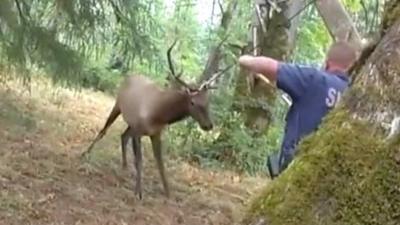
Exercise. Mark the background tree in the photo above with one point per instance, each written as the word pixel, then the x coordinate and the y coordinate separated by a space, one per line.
pixel 273 26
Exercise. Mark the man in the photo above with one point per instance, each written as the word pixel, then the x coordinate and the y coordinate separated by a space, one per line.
pixel 314 92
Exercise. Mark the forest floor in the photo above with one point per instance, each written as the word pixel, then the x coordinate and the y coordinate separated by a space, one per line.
pixel 43 180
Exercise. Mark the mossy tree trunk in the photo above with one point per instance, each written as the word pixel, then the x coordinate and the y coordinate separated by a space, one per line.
pixel 346 172
pixel 375 95
pixel 255 104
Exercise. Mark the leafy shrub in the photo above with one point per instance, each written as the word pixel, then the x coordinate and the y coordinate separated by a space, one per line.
pixel 101 79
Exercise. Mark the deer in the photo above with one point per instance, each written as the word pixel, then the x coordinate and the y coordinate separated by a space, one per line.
pixel 148 109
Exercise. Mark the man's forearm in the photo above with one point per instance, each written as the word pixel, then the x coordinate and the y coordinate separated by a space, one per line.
pixel 260 64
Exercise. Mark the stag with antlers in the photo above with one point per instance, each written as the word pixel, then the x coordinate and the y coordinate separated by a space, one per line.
pixel 148 109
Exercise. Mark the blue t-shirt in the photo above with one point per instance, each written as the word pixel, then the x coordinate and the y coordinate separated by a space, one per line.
pixel 313 92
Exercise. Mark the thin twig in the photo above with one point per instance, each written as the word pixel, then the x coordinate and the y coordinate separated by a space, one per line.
pixel 212 11
pixel 302 9
pixel 221 7
pixel 260 19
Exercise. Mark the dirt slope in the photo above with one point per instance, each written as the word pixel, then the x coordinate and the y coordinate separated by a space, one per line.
pixel 42 180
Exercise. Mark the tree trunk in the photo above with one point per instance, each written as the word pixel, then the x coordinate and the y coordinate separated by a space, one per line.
pixel 277 42
pixel 294 14
pixel 215 56
pixel 338 22
pixel 347 172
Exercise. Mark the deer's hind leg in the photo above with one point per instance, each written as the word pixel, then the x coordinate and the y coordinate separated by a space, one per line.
pixel 138 161
pixel 124 144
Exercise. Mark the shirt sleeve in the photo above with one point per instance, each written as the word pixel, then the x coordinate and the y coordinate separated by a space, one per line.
pixel 294 79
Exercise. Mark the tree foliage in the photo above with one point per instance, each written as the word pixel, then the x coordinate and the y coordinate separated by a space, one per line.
pixel 60 36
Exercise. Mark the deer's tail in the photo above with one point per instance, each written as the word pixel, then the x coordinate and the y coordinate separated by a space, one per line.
pixel 115 112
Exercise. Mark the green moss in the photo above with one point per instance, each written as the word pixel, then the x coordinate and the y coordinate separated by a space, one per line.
pixel 344 174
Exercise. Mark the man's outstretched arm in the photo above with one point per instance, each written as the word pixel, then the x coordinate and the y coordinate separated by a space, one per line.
pixel 266 66
pixel 290 78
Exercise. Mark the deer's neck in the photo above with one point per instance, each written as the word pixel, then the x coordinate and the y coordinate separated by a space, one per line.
pixel 173 107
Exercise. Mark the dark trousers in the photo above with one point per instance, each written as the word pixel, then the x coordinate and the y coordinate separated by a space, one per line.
pixel 279 161
pixel 286 157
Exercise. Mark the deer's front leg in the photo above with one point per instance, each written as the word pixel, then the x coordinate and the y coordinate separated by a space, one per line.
pixel 157 151
pixel 137 151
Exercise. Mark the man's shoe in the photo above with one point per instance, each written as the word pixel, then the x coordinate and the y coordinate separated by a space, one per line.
pixel 273 165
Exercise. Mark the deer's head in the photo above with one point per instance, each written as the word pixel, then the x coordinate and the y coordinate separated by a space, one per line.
pixel 198 100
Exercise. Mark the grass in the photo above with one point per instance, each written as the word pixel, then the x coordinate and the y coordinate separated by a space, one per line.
pixel 43 181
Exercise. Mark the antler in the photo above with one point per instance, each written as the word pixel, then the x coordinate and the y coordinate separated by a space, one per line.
pixel 207 84
pixel 171 67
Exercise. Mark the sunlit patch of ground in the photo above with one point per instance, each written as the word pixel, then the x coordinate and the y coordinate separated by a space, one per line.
pixel 43 181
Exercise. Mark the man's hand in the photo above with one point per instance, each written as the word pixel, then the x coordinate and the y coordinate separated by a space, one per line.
pixel 268 67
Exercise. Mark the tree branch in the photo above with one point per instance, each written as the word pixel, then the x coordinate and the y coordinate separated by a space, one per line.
pixel 212 11
pixel 260 19
pixel 117 11
pixel 21 15
pixel 365 12
pixel 376 15
pixel 221 7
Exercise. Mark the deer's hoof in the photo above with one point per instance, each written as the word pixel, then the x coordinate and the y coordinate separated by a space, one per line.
pixel 138 194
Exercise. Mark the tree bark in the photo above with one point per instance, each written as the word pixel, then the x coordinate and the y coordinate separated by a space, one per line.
pixel 338 22
pixel 295 14
pixel 374 96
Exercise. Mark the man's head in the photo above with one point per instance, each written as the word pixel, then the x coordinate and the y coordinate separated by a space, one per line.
pixel 340 57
